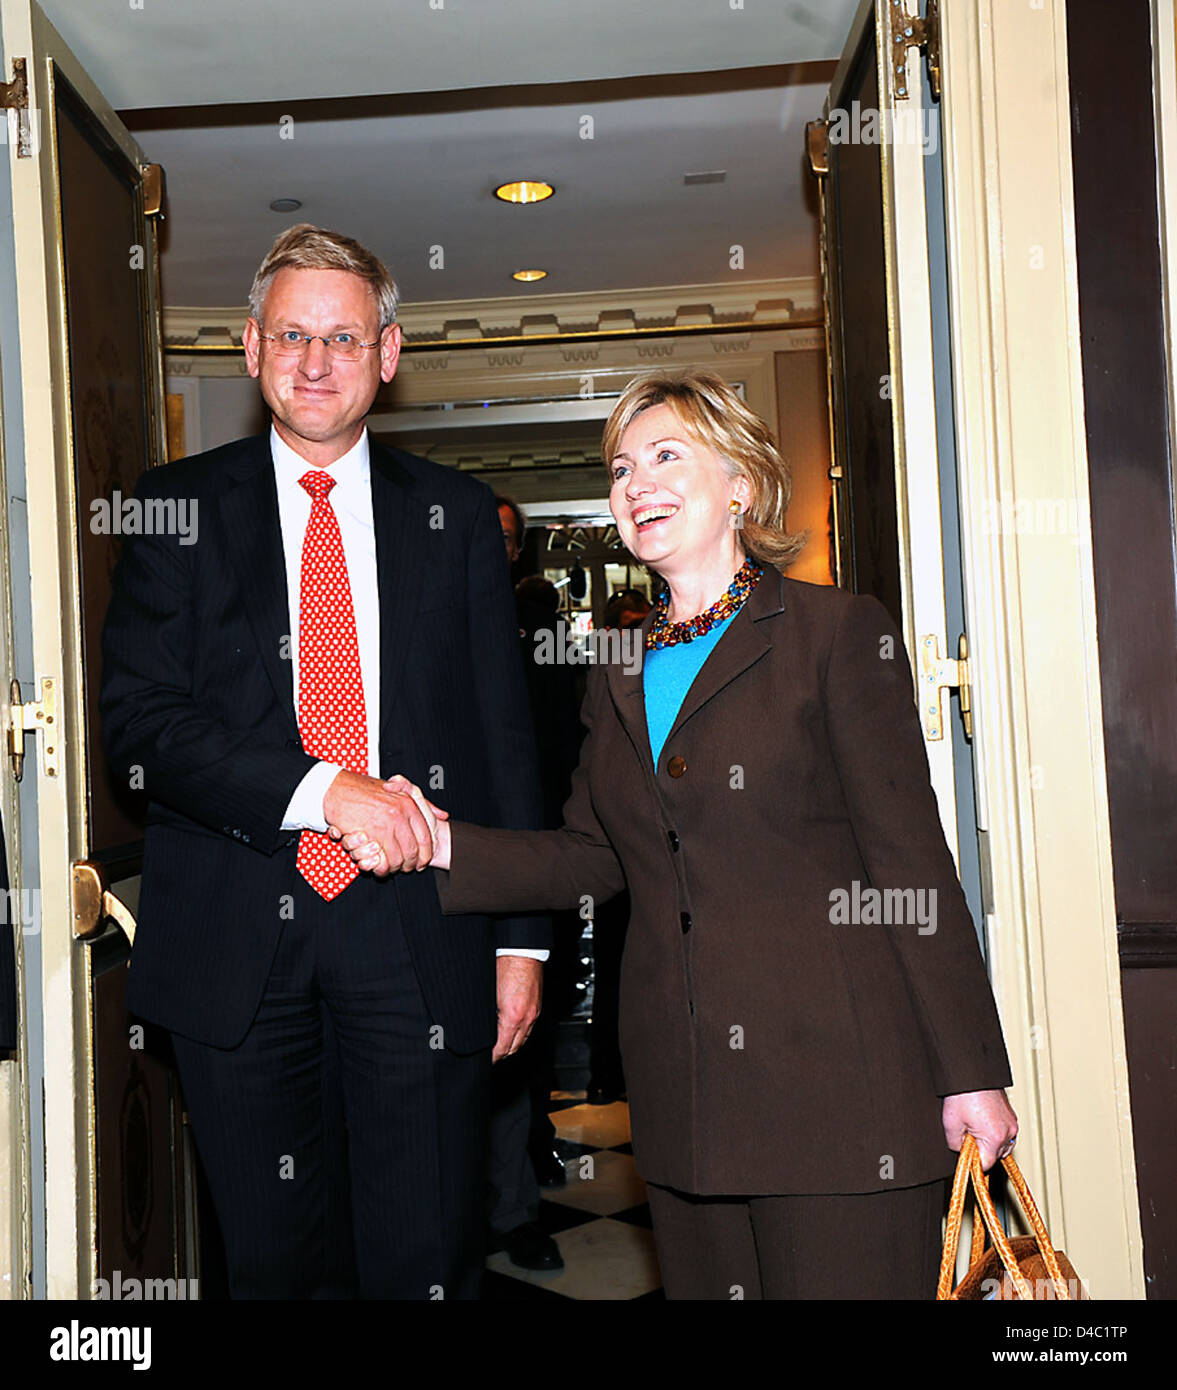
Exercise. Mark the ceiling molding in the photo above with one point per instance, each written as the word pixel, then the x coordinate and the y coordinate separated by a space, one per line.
pixel 448 322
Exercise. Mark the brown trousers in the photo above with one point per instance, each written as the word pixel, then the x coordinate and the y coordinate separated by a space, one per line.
pixel 874 1245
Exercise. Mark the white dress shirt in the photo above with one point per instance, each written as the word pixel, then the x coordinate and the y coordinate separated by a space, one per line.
pixel 351 499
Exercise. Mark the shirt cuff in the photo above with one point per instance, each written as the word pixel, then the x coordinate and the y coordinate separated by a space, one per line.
pixel 529 952
pixel 305 809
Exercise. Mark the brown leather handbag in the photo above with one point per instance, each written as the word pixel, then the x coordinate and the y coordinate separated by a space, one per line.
pixel 1026 1267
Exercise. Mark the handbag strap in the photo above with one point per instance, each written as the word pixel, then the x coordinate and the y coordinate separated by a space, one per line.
pixel 969 1166
pixel 960 1190
pixel 993 1221
pixel 977 1249
pixel 1037 1225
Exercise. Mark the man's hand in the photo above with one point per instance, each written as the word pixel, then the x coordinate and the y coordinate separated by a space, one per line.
pixel 520 986
pixel 394 816
pixel 368 852
pixel 987 1116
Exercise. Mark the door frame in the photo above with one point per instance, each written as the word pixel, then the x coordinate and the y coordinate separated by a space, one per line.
pixel 1018 383
pixel 911 368
pixel 16 1118
pixel 67 1076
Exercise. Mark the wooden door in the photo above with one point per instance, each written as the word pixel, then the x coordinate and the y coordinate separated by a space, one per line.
pixel 108 1207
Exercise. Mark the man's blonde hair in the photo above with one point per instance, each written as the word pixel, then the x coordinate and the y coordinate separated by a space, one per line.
pixel 712 412
pixel 306 247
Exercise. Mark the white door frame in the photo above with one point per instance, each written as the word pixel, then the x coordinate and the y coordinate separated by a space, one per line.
pixel 68 1073
pixel 1030 604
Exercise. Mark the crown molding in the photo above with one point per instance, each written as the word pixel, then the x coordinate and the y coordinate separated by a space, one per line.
pixel 449 322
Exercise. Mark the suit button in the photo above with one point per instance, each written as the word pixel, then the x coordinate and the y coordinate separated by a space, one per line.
pixel 673 838
pixel 676 767
pixel 685 919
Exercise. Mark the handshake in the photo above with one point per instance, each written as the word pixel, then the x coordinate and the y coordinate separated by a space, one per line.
pixel 386 827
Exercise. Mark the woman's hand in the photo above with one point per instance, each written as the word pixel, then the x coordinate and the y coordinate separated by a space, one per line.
pixel 371 858
pixel 370 855
pixel 987 1116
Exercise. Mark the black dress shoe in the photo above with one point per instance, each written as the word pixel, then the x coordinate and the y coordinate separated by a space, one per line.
pixel 549 1169
pixel 529 1247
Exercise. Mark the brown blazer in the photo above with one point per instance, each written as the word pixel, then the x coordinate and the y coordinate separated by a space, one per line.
pixel 767 1047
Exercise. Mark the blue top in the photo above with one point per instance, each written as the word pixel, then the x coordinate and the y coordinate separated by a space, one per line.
pixel 667 674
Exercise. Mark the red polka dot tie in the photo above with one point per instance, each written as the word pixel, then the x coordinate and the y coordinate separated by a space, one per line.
pixel 331 713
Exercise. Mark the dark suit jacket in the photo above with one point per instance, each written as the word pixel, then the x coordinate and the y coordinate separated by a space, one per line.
pixel 197 692
pixel 768 1048
pixel 555 700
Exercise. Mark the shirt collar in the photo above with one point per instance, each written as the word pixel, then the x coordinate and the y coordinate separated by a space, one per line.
pixel 348 470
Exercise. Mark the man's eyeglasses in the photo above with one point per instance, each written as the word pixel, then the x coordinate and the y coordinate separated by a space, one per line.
pixel 343 347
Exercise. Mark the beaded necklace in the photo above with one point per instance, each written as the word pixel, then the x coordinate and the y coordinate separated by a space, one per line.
pixel 664 633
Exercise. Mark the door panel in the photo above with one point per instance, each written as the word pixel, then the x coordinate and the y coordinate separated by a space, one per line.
pixel 91 396
pixel 884 367
pixel 111 379
pixel 856 289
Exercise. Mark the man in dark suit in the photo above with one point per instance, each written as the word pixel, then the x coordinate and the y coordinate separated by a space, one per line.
pixel 344 615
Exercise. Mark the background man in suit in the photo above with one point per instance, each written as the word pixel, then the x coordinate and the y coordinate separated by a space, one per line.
pixel 344 616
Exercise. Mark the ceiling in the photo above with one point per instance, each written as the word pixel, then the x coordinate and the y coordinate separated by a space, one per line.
pixel 415 182
pixel 398 137
pixel 181 53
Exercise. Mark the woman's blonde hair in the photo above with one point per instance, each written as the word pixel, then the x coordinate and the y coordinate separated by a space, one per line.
pixel 712 412
pixel 307 247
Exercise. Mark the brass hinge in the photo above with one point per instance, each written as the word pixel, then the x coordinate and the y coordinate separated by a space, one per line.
pixel 817 146
pixel 938 674
pixel 910 31
pixel 94 903
pixel 14 96
pixel 152 190
pixel 39 717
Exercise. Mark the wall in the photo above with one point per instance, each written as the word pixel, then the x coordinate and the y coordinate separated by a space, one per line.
pixel 803 433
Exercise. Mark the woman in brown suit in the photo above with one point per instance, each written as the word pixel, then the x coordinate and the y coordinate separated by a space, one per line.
pixel 806 1026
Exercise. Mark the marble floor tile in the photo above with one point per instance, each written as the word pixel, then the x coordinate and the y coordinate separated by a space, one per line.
pixel 601 1182
pixel 602 1126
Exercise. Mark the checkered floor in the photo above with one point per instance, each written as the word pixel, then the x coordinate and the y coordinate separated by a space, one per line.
pixel 599 1219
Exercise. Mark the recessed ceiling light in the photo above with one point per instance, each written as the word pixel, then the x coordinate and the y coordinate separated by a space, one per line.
pixel 524 191
pixel 529 275
pixel 285 205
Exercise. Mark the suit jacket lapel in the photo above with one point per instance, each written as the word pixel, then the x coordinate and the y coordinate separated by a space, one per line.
pixel 629 698
pixel 249 512
pixel 744 642
pixel 401 525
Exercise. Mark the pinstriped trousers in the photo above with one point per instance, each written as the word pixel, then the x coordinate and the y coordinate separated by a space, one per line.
pixel 415 1117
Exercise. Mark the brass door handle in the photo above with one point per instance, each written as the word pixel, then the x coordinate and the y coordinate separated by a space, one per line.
pixel 94 904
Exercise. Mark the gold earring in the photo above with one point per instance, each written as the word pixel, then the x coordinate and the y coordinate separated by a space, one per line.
pixel 734 507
